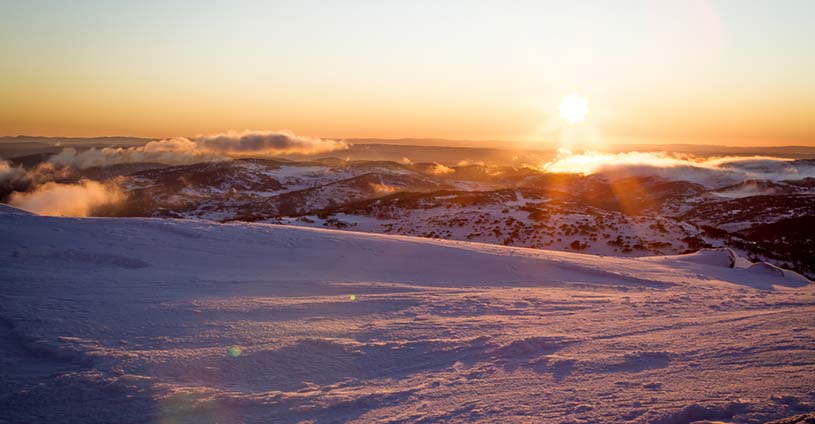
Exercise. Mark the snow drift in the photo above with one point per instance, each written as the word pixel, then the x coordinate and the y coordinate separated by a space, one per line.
pixel 134 320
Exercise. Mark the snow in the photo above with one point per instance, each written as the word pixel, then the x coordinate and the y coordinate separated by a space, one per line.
pixel 146 320
pixel 6 209
pixel 758 274
pixel 510 222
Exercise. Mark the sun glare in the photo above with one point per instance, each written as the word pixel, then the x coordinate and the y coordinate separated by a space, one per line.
pixel 574 108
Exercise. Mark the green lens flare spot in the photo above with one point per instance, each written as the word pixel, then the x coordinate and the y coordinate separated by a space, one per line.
pixel 234 351
pixel 353 297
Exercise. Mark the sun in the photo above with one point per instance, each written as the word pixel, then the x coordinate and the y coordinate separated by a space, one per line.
pixel 574 108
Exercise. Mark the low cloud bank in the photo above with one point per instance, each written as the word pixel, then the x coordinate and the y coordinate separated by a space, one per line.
pixel 711 172
pixel 439 169
pixel 10 175
pixel 58 199
pixel 16 178
pixel 467 162
pixel 43 189
pixel 383 188
pixel 204 148
pixel 37 190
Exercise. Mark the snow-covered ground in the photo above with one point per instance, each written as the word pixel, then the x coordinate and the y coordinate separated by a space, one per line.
pixel 145 320
pixel 597 232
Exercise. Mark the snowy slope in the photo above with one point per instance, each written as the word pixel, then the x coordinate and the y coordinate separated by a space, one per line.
pixel 767 216
pixel 246 188
pixel 510 218
pixel 143 320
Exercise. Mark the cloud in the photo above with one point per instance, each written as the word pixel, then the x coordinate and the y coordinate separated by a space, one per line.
pixel 382 188
pixel 202 148
pixel 170 152
pixel 267 142
pixel 39 189
pixel 9 172
pixel 711 172
pixel 439 169
pixel 467 162
pixel 17 178
pixel 58 199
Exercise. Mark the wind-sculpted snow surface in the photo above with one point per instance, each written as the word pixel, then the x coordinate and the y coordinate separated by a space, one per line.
pixel 143 320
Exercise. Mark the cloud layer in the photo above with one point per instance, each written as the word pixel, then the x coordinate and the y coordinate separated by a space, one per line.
pixel 439 169
pixel 57 199
pixel 204 148
pixel 10 174
pixel 37 189
pixel 711 172
pixel 17 178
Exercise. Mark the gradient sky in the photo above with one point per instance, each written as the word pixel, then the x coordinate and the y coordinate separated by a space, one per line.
pixel 653 71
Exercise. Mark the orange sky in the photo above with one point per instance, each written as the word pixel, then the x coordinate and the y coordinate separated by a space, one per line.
pixel 692 71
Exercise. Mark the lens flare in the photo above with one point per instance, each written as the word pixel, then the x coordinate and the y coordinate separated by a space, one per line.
pixel 234 351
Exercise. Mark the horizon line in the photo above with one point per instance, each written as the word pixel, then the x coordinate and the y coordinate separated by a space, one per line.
pixel 525 145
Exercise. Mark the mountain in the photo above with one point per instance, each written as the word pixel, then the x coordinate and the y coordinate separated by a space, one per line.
pixel 162 320
pixel 514 217
pixel 252 189
pixel 619 213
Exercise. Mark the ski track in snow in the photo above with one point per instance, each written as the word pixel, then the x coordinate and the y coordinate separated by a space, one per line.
pixel 131 320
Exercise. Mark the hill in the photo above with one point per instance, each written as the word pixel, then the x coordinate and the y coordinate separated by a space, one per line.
pixel 141 320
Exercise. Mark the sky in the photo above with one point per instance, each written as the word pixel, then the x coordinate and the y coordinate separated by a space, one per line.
pixel 696 71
